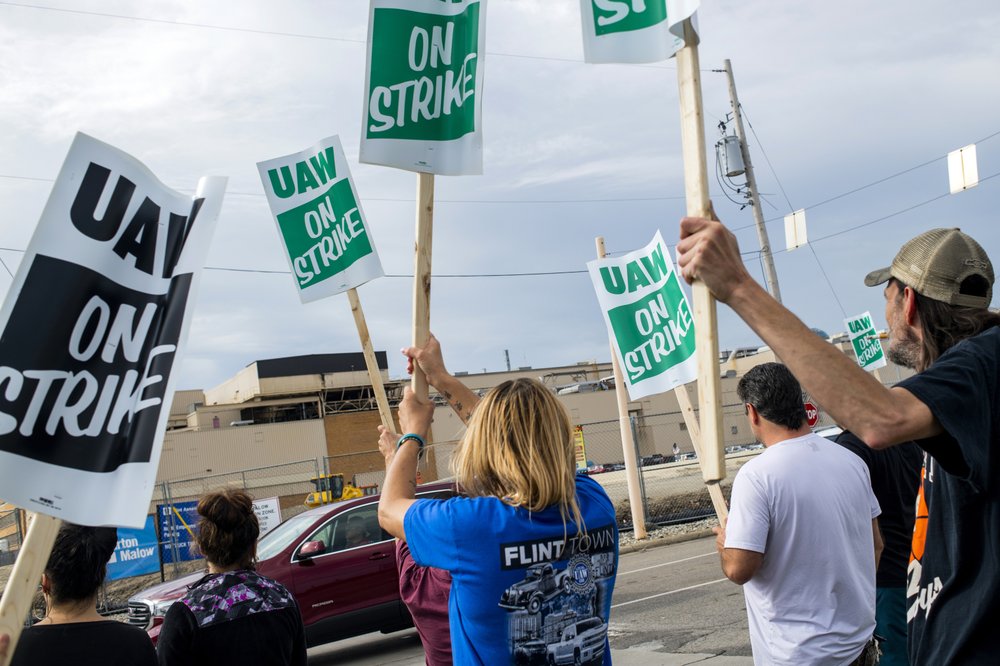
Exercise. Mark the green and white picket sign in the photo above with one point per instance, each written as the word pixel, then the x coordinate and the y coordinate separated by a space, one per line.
pixel 423 86
pixel 313 200
pixel 864 339
pixel 648 318
pixel 327 239
pixel 633 31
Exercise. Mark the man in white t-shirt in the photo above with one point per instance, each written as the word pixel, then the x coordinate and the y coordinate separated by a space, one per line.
pixel 801 536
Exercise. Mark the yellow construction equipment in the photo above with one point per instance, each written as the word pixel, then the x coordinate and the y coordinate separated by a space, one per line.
pixel 331 488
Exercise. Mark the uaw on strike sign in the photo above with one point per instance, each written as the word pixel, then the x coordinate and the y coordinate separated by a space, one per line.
pixel 319 216
pixel 648 318
pixel 91 330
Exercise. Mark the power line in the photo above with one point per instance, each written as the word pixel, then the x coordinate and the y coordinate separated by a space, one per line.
pixel 39 180
pixel 186 24
pixel 827 278
pixel 863 187
pixel 673 197
pixel 599 200
pixel 774 173
pixel 890 215
pixel 278 33
pixel 746 255
pixel 406 275
pixel 767 159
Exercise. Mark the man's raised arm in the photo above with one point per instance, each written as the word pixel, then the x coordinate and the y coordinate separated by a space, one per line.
pixel 881 417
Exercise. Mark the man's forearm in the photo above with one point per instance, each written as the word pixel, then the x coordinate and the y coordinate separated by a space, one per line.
pixel 856 400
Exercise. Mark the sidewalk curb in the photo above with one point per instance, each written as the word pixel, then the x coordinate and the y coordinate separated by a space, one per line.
pixel 642 546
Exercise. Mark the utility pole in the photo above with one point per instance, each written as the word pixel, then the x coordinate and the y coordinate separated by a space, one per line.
pixel 770 275
pixel 506 355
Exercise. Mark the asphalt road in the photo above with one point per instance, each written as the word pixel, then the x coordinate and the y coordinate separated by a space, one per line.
pixel 675 599
pixel 671 599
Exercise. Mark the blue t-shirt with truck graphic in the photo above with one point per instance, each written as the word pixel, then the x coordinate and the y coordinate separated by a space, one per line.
pixel 526 588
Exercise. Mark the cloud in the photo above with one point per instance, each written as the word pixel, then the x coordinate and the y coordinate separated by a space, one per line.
pixel 838 94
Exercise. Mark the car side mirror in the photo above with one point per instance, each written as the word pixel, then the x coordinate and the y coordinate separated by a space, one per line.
pixel 311 548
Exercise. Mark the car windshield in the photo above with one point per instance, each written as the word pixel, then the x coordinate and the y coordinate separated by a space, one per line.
pixel 278 539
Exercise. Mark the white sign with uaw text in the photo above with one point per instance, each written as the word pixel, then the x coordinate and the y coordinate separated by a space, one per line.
pixel 864 339
pixel 92 329
pixel 648 317
pixel 313 200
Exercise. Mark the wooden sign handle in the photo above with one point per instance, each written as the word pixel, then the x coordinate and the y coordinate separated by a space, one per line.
pixel 422 274
pixel 374 373
pixel 712 460
pixel 24 578
pixel 628 443
pixel 694 430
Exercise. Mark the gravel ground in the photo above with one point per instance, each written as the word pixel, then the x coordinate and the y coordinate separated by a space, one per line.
pixel 698 526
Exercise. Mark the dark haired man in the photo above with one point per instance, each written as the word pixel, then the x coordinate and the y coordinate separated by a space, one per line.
pixel 938 292
pixel 801 536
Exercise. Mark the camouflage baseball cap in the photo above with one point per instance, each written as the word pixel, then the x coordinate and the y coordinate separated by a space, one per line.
pixel 935 263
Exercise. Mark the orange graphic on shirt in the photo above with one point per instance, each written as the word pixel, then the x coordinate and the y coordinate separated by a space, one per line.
pixel 920 526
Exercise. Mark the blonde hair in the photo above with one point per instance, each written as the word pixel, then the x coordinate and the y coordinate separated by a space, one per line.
pixel 519 447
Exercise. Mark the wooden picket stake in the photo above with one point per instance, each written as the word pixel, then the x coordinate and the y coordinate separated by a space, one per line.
pixel 422 274
pixel 374 374
pixel 24 578
pixel 691 420
pixel 712 459
pixel 628 443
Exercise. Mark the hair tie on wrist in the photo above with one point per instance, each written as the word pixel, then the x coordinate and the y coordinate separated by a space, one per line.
pixel 416 438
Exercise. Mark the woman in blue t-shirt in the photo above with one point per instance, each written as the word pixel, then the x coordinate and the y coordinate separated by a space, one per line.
pixel 533 547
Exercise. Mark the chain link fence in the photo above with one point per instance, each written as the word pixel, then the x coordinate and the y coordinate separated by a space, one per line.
pixel 11 534
pixel 670 478
pixel 290 483
pixel 366 469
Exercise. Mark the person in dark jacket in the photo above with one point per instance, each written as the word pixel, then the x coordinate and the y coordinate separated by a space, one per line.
pixel 895 476
pixel 73 632
pixel 232 615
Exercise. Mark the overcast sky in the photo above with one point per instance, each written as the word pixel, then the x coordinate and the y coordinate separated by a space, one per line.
pixel 840 95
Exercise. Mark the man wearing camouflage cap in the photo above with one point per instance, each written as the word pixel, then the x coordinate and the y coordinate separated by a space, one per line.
pixel 938 291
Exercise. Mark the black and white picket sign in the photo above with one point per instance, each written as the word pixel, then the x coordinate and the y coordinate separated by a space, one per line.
pixel 92 328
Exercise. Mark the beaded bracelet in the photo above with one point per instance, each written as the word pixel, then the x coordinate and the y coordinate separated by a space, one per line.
pixel 416 438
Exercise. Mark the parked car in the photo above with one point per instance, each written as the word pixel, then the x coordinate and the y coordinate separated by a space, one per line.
pixel 655 459
pixel 829 432
pixel 342 590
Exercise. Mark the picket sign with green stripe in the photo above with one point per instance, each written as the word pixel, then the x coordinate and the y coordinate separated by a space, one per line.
pixel 648 318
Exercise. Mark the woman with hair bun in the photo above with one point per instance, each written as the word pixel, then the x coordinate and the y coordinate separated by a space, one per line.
pixel 232 615
pixel 533 549
pixel 73 632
